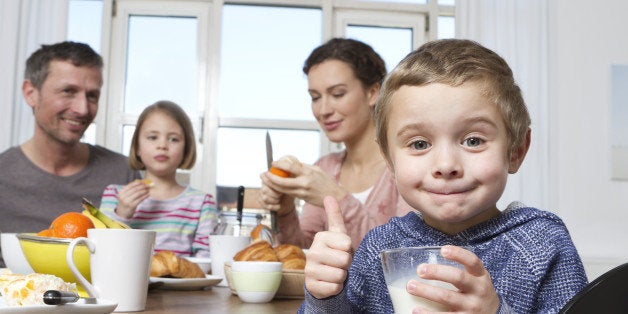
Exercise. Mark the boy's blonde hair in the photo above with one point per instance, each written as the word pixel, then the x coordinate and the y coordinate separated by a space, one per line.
pixel 175 112
pixel 454 62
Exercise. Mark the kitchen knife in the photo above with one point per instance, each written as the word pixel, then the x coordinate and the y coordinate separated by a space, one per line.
pixel 269 151
pixel 269 162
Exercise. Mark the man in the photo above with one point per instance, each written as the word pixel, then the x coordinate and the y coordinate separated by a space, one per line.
pixel 51 172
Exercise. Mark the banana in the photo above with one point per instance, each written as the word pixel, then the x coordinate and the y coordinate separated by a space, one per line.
pixel 108 222
pixel 97 223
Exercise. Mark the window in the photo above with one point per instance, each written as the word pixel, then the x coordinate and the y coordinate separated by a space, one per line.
pixel 85 25
pixel 235 67
pixel 160 67
pixel 392 44
pixel 261 82
pixel 257 46
pixel 85 22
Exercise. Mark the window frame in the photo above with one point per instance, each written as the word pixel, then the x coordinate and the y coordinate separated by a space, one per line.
pixel 336 14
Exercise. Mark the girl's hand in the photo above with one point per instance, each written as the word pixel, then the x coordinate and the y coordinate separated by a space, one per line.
pixel 476 291
pixel 130 196
pixel 329 257
pixel 306 182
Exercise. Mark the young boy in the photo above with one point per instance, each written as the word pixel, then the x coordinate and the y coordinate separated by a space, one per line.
pixel 452 124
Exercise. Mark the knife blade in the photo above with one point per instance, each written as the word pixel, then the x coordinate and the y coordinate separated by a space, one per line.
pixel 269 151
pixel 269 162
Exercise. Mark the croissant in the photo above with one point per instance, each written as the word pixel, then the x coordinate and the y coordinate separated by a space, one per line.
pixel 287 251
pixel 293 263
pixel 259 250
pixel 166 263
pixel 291 256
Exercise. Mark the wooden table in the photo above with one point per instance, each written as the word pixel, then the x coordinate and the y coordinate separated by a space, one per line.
pixel 214 300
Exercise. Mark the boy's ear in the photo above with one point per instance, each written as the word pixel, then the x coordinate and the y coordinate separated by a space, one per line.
pixel 517 156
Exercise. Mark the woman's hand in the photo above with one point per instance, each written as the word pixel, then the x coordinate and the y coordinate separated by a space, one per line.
pixel 130 196
pixel 306 182
pixel 276 201
pixel 476 293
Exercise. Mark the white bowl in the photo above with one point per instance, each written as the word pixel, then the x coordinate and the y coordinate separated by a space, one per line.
pixel 256 282
pixel 13 256
pixel 204 263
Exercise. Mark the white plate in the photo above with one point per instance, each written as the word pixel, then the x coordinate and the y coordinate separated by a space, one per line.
pixel 101 307
pixel 186 283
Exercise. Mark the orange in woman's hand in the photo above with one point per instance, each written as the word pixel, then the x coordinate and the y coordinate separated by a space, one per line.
pixel 70 225
pixel 279 172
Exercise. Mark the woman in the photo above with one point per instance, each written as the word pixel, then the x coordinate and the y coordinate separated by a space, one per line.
pixel 344 78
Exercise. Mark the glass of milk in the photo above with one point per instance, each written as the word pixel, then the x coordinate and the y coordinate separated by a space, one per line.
pixel 400 265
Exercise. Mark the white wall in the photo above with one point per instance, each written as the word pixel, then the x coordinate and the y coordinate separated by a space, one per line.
pixel 586 37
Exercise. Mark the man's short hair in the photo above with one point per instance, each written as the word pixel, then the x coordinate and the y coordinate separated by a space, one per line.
pixel 38 64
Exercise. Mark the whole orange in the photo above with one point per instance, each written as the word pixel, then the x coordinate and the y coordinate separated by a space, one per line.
pixel 70 225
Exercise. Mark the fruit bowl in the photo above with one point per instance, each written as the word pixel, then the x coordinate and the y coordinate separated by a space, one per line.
pixel 47 256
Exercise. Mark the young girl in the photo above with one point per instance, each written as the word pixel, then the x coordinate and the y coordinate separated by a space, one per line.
pixel 182 216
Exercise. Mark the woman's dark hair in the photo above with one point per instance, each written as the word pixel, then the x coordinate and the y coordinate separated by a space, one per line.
pixel 367 65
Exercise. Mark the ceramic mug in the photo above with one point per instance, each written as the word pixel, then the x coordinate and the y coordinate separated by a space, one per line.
pixel 222 248
pixel 120 265
pixel 256 282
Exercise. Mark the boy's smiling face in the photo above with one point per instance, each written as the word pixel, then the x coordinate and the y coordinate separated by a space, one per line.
pixel 448 149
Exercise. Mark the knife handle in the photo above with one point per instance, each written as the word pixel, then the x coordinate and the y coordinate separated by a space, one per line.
pixel 273 221
pixel 240 203
pixel 56 297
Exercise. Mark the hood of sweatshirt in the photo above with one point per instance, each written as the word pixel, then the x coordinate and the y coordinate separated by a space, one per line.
pixel 411 229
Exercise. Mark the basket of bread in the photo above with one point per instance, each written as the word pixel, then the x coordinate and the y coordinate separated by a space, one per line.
pixel 291 257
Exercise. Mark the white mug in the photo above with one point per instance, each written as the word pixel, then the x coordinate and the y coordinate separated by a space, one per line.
pixel 222 248
pixel 120 265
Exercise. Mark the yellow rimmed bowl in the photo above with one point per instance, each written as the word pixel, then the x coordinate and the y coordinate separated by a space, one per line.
pixel 46 255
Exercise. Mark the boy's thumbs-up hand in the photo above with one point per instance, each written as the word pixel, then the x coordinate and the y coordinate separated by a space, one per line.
pixel 335 222
pixel 329 257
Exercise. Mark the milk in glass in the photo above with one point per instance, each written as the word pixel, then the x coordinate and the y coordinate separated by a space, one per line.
pixel 404 302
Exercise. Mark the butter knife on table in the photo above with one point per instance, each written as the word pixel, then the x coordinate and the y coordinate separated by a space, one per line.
pixel 56 297
pixel 269 162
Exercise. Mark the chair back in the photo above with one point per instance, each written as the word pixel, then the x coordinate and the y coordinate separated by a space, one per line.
pixel 606 294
